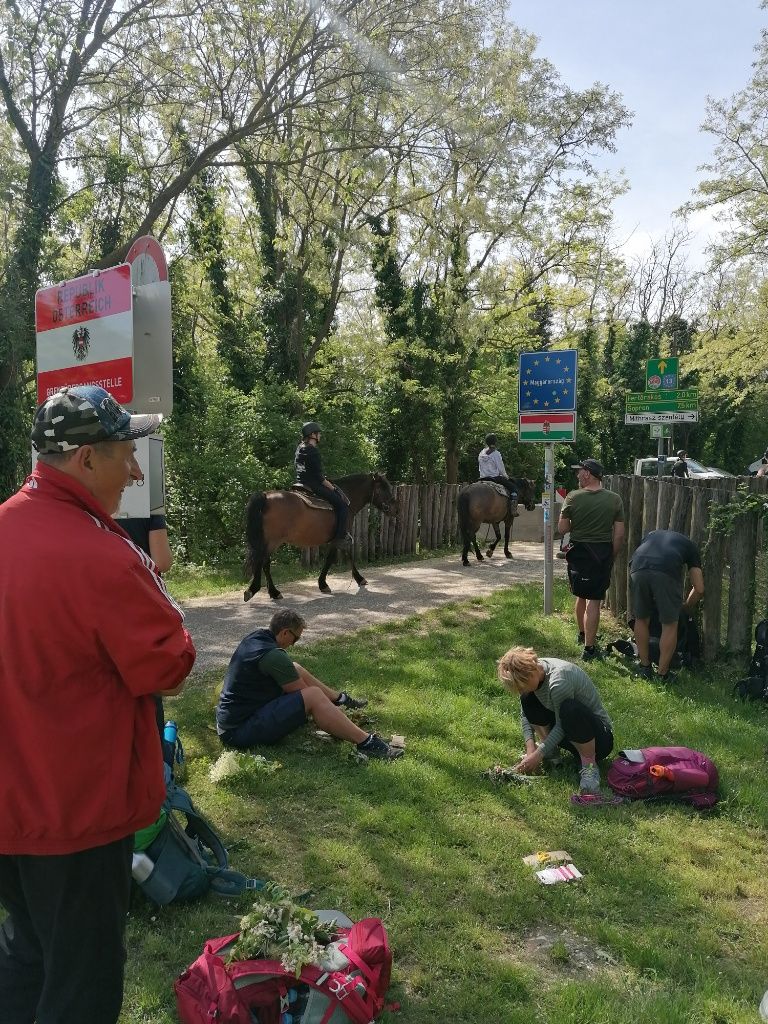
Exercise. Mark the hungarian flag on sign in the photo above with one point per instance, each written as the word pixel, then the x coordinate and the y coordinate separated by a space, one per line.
pixel 547 426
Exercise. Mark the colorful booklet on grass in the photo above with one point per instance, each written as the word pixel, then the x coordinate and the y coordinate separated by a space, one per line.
pixel 562 873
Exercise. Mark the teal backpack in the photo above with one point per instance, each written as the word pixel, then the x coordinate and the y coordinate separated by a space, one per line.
pixel 181 856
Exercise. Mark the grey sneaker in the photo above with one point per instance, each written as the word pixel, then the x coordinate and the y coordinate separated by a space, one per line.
pixel 643 671
pixel 589 779
pixel 376 747
pixel 350 703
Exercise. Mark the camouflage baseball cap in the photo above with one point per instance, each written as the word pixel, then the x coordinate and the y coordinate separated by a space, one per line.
pixel 84 415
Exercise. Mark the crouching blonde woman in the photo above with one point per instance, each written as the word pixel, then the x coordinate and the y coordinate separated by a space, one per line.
pixel 559 708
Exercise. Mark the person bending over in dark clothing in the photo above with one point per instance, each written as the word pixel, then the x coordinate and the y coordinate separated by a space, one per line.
pixel 656 582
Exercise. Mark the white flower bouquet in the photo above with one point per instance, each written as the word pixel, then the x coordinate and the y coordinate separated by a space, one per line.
pixel 276 928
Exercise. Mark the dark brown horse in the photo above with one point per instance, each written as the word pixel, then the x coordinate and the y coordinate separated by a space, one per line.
pixel 482 503
pixel 283 517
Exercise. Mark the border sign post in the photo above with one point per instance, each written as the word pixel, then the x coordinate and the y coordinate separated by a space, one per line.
pixel 85 334
pixel 112 328
pixel 152 344
pixel 547 414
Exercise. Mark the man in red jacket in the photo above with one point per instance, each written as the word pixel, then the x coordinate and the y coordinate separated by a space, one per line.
pixel 88 634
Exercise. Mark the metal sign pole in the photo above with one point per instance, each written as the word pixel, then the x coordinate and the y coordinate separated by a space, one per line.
pixel 660 457
pixel 549 512
pixel 546 400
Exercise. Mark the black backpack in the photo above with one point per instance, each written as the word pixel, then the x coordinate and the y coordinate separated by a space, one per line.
pixel 687 653
pixel 755 686
pixel 688 650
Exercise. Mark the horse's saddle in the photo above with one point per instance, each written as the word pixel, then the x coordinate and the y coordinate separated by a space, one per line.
pixel 502 490
pixel 311 499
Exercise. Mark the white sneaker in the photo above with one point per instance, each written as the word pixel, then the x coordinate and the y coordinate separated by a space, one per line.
pixel 589 779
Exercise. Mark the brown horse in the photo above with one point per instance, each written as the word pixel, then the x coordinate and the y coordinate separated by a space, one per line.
pixel 283 517
pixel 482 503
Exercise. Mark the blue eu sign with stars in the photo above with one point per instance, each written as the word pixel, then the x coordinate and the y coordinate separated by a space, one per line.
pixel 548 381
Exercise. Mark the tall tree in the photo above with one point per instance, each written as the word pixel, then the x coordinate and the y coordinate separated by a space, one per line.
pixel 735 187
pixel 510 198
pixel 88 69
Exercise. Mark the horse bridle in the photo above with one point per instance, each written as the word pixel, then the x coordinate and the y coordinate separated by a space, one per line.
pixel 532 506
pixel 386 507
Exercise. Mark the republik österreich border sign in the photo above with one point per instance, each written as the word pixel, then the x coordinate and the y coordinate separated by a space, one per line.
pixel 85 334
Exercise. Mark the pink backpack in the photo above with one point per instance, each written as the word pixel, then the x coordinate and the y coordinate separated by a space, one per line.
pixel 673 773
pixel 212 990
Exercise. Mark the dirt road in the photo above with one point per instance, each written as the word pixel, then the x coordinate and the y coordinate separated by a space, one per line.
pixel 217 624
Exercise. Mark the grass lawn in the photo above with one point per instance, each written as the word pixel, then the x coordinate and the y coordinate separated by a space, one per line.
pixel 668 924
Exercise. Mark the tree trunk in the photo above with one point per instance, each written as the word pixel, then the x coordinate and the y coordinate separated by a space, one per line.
pixel 451 464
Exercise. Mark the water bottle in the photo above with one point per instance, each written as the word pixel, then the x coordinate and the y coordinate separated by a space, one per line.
pixel 141 867
pixel 170 732
pixel 302 998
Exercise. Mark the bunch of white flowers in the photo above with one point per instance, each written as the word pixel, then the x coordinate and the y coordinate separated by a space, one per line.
pixel 238 766
pixel 278 929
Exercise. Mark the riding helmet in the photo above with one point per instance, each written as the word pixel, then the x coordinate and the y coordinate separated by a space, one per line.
pixel 312 427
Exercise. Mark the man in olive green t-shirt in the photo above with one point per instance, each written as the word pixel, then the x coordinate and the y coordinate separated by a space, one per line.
pixel 595 519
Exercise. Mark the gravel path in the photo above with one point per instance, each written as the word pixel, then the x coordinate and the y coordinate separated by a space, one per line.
pixel 218 624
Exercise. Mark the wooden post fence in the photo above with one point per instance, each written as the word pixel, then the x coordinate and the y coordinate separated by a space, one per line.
pixel 728 562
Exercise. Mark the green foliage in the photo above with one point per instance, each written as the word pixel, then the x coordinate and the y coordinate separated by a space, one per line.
pixel 723 517
pixel 410 394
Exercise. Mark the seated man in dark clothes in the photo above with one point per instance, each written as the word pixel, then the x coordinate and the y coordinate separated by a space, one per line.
pixel 266 695
pixel 656 580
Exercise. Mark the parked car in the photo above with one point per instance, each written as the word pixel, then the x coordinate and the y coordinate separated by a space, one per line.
pixel 649 466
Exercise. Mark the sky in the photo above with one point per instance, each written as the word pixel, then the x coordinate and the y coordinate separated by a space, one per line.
pixel 664 57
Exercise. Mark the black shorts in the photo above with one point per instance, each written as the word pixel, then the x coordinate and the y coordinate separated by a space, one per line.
pixel 269 724
pixel 589 569
pixel 653 589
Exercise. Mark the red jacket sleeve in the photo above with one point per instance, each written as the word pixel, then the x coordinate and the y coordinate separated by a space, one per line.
pixel 142 631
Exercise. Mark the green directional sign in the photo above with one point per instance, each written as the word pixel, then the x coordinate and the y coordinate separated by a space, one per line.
pixel 662 374
pixel 659 406
pixel 676 395
pixel 660 430
pixel 677 400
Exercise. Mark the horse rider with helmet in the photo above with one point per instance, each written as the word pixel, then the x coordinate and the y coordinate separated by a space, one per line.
pixel 310 474
pixel 680 468
pixel 491 467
